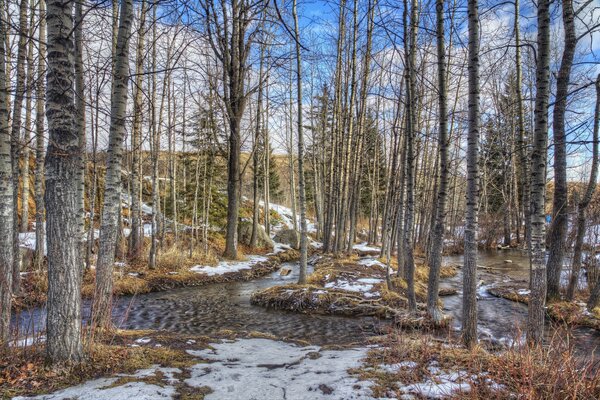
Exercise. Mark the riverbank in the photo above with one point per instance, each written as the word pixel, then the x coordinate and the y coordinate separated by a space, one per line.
pixel 354 286
pixel 175 269
pixel 572 313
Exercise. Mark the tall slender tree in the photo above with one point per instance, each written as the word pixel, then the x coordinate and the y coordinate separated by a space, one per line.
pixel 537 298
pixel 40 237
pixel 300 127
pixel 6 195
pixel 112 191
pixel 435 257
pixel 558 230
pixel 469 327
pixel 136 235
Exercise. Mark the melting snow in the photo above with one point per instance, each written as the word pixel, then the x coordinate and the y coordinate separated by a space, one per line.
pixel 360 285
pixel 267 369
pixel 365 247
pixel 225 267
pixel 100 389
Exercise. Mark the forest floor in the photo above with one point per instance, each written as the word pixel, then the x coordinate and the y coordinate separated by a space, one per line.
pixel 148 365
pixel 417 363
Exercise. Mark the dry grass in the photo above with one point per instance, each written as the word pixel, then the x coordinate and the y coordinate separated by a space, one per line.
pixel 381 302
pixel 23 371
pixel 172 271
pixel 523 372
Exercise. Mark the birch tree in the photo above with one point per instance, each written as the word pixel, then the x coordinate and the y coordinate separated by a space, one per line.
pixel 6 196
pixel 112 192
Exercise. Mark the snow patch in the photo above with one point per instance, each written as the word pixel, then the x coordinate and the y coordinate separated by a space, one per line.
pixel 225 267
pixel 267 369
pixel 362 285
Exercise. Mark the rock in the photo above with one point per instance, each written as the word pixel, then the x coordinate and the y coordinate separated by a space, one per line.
pixel 508 261
pixel 245 234
pixel 290 237
pixel 285 271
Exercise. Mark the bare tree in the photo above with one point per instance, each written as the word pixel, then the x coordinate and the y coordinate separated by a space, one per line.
pixel 231 33
pixel 469 322
pixel 112 191
pixel 537 298
pixel 6 196
pixel 435 258
pixel 40 237
pixel 136 235
pixel 558 230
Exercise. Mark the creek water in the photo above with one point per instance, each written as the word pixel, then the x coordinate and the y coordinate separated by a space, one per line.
pixel 209 309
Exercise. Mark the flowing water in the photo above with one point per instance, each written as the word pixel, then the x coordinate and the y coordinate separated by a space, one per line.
pixel 210 309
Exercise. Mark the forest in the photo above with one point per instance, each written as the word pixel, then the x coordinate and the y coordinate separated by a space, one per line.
pixel 268 199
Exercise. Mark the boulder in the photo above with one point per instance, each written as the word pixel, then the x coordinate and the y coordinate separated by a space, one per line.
pixel 285 271
pixel 290 237
pixel 245 234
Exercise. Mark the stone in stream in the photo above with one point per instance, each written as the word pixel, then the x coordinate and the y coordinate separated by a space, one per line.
pixel 290 237
pixel 245 234
pixel 508 261
pixel 285 271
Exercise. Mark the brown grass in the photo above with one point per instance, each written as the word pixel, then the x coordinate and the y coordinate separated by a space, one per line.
pixel 23 371
pixel 172 271
pixel 523 372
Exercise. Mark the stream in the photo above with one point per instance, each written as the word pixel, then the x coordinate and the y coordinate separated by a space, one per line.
pixel 209 309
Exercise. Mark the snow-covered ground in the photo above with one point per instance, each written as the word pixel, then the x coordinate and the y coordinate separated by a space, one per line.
pixel 364 286
pixel 228 266
pixel 365 247
pixel 243 369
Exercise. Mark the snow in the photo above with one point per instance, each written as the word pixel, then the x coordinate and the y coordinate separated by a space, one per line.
pixel 99 389
pixel 365 247
pixel 225 267
pixel 143 340
pixel 266 369
pixel 369 262
pixel 279 248
pixel 441 386
pixel 398 366
pixel 362 285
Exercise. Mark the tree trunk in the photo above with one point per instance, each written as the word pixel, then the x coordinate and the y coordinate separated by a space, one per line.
pixel 63 327
pixel 594 299
pixel 469 327
pixel 40 237
pixel 409 263
pixel 27 128
pixel 112 191
pixel 521 144
pixel 558 230
pixel 80 120
pixel 6 196
pixel 537 298
pixel 256 153
pixel 437 242
pixel 301 188
pixel 136 239
pixel 15 140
